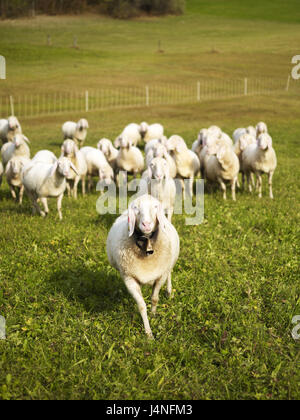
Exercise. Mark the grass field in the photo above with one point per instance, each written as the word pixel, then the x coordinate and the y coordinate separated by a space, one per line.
pixel 72 329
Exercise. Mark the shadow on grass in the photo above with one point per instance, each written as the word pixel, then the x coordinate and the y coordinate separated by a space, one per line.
pixel 98 291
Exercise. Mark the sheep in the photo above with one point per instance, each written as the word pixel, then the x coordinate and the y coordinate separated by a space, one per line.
pixel 1 173
pixel 214 130
pixel 13 175
pixel 240 145
pixel 221 165
pixel 17 147
pixel 238 133
pixel 261 127
pixel 162 185
pixel 44 156
pixel 133 132
pixel 162 152
pixel 76 131
pixel 260 158
pixel 42 181
pixel 251 130
pixel 144 247
pixel 187 162
pixel 97 165
pixel 152 144
pixel 150 132
pixel 130 158
pixel 9 128
pixel 70 150
pixel 111 153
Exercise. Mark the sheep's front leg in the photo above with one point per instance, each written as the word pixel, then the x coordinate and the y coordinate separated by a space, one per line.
pixel 69 189
pixel 270 176
pixel 59 202
pixel 169 285
pixel 83 185
pixel 191 182
pixel 233 186
pixel 249 182
pixel 259 185
pixel 75 188
pixel 21 195
pixel 135 291
pixel 13 193
pixel 223 187
pixel 45 204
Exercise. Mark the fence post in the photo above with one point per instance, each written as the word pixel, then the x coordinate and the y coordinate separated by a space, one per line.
pixel 246 86
pixel 288 83
pixel 86 101
pixel 147 96
pixel 198 92
pixel 12 109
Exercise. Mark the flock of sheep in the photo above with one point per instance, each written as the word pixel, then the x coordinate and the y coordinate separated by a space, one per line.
pixel 142 244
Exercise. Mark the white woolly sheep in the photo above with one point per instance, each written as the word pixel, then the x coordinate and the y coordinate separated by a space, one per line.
pixel 261 127
pixel 152 144
pixel 161 185
pixel 44 156
pixel 17 147
pixel 43 181
pixel 240 145
pixel 222 165
pixel 130 158
pixel 111 153
pixel 1 173
pixel 70 150
pixel 187 162
pixel 150 132
pixel 260 158
pixel 76 131
pixel 131 131
pixel 9 128
pixel 144 247
pixel 97 165
pixel 13 173
pixel 160 151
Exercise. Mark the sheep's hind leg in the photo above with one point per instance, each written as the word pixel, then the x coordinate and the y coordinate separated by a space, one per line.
pixel 169 286
pixel 45 204
pixel 259 185
pixel 135 291
pixel 155 293
pixel 223 187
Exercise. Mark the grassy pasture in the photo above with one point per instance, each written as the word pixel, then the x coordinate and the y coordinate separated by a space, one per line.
pixel 72 329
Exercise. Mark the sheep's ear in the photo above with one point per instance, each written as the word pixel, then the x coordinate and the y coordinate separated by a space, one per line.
pixel 131 221
pixel 162 220
pixel 149 172
pixel 54 168
pixel 26 139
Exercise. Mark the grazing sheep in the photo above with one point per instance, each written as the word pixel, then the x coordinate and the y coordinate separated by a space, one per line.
pixel 130 158
pixel 107 148
pixel 42 181
pixel 13 173
pixel 9 128
pixel 44 156
pixel 261 127
pixel 17 147
pixel 144 247
pixel 131 131
pixel 1 173
pixel 76 131
pixel 70 150
pixel 260 158
pixel 151 132
pixel 97 165
pixel 221 165
pixel 162 185
pixel 187 162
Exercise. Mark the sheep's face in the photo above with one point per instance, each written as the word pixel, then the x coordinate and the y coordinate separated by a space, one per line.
pixel 143 129
pixel 212 146
pixel 145 214
pixel 158 169
pixel 13 124
pixel 63 166
pixel 160 151
pixel 105 146
pixel 215 130
pixel 261 128
pixel 83 124
pixel 125 142
pixel 264 141
pixel 69 148
pixel 106 177
pixel 19 139
pixel 15 167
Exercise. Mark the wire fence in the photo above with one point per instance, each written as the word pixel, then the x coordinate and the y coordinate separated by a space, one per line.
pixel 41 104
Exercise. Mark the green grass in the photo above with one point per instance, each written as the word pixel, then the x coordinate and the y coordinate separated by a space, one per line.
pixel 72 329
